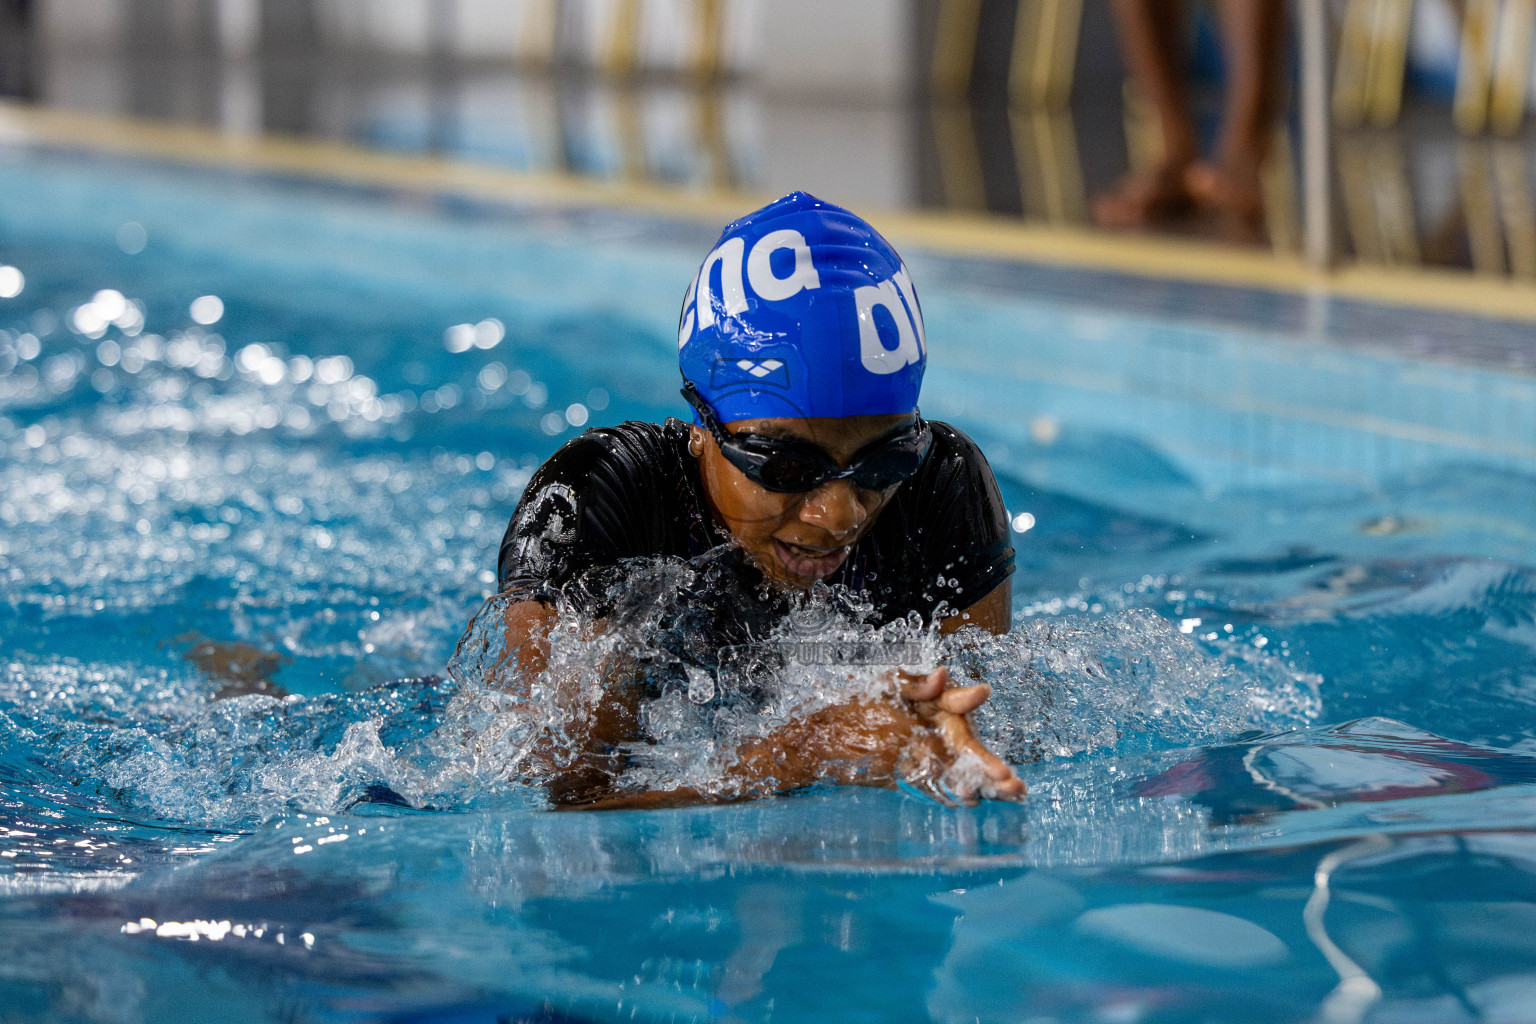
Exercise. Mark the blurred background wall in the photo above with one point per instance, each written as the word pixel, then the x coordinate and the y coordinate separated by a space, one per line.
pixel 942 104
pixel 865 49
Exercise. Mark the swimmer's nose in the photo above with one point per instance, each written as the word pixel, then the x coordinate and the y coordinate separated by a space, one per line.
pixel 835 507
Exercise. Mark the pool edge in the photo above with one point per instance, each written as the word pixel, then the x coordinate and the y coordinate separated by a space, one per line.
pixel 990 237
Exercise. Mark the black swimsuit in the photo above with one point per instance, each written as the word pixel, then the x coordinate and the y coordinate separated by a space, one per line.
pixel 616 524
pixel 634 491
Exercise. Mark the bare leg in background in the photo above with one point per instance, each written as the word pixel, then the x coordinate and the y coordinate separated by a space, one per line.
pixel 1152 38
pixel 1253 32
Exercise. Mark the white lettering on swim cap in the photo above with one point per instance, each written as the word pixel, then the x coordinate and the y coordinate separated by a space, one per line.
pixel 760 266
pixel 872 352
pixel 904 282
pixel 733 297
pixel 685 323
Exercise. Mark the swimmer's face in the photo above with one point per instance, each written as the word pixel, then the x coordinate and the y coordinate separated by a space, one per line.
pixel 796 539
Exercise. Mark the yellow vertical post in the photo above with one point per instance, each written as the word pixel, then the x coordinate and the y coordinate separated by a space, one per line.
pixel 1512 66
pixel 1355 190
pixel 1023 89
pixel 1517 208
pixel 1378 205
pixel 1044 61
pixel 1050 171
pixel 954 46
pixel 1394 201
pixel 1143 131
pixel 708 52
pixel 1040 73
pixel 1475 69
pixel 623 47
pixel 1485 239
pixel 1066 26
pixel 1351 77
pixel 538 32
pixel 959 154
pixel 1066 199
pixel 1389 58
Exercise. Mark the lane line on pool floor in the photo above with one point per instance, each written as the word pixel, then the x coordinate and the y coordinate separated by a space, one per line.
pixel 1156 257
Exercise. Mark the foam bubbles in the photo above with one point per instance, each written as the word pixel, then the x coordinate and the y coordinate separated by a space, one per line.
pixel 168 752
pixel 1124 683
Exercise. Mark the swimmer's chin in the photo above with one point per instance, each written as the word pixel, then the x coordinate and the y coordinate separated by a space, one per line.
pixel 803 566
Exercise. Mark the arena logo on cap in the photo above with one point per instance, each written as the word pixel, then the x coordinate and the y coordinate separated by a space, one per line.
pixel 749 371
pixel 896 296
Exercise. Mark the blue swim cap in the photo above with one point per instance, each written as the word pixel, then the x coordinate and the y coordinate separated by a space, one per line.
pixel 802 309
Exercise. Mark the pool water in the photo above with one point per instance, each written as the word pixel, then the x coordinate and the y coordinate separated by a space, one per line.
pixel 1271 684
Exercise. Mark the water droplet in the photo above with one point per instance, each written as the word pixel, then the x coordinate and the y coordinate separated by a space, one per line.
pixel 701 686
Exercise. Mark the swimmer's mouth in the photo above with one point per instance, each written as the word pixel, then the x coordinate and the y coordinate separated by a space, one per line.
pixel 809 563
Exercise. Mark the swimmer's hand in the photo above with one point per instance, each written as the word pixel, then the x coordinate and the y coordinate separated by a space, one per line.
pixel 958 768
pixel 920 742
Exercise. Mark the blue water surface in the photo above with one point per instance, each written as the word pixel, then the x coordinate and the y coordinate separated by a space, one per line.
pixel 1275 595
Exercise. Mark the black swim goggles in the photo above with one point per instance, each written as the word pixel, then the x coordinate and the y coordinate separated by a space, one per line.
pixel 794 467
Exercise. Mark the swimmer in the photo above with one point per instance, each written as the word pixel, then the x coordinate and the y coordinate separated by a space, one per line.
pixel 802 350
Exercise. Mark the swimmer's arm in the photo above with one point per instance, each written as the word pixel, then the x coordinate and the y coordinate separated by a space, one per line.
pixel 527 638
pixel 883 743
pixel 610 722
pixel 993 613
pixel 862 743
pixel 866 743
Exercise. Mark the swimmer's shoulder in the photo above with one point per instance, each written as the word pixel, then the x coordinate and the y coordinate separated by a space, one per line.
pixel 606 495
pixel 952 450
pixel 955 479
pixel 633 454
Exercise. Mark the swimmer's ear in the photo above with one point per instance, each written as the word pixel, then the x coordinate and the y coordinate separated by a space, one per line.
pixel 695 441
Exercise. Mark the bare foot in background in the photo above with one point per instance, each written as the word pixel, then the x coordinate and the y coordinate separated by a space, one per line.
pixel 1233 190
pixel 1153 37
pixel 1144 198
